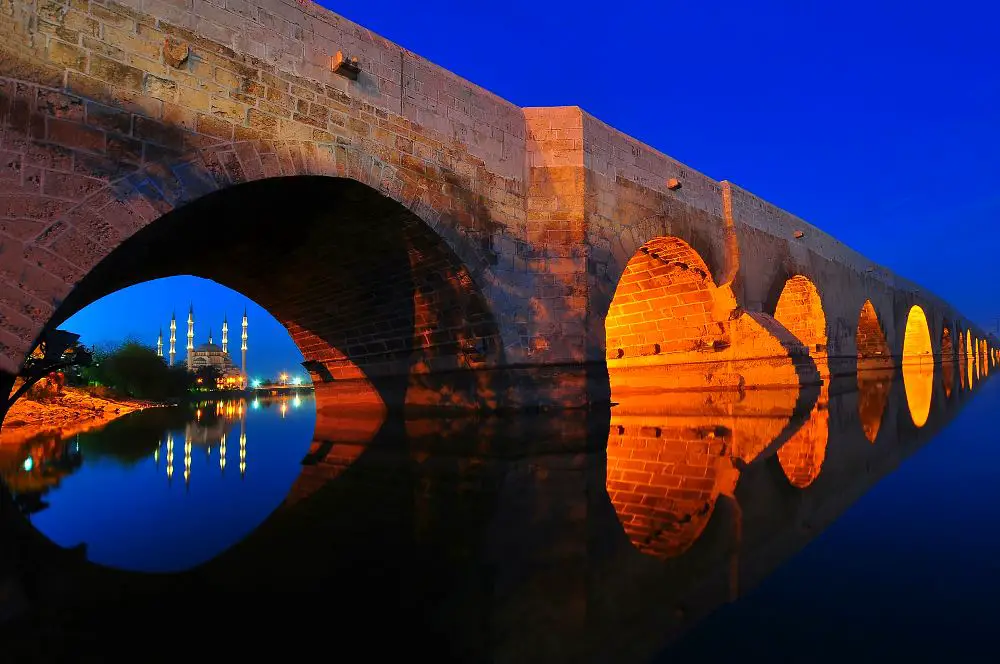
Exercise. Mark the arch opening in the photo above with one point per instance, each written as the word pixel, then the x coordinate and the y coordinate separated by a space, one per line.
pixel 918 365
pixel 385 314
pixel 874 370
pixel 947 360
pixel 963 360
pixel 362 284
pixel 668 312
pixel 970 360
pixel 873 348
pixel 800 311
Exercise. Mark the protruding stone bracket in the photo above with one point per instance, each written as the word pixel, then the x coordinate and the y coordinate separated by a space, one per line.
pixel 175 52
pixel 346 66
pixel 673 184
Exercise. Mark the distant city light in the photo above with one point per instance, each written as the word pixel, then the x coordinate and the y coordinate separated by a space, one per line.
pixel 29 463
pixel 296 402
pixel 297 380
pixel 256 404
pixel 256 383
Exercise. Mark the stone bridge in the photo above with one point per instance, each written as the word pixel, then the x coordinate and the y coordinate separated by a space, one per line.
pixel 425 242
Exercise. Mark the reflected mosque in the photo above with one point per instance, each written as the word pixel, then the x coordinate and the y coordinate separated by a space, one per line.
pixel 209 354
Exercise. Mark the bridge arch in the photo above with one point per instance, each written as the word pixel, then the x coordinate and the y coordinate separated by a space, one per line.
pixel 918 365
pixel 799 309
pixel 668 311
pixel 947 358
pixel 362 271
pixel 666 303
pixel 873 348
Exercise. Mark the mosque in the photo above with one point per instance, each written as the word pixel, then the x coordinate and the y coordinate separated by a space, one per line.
pixel 209 354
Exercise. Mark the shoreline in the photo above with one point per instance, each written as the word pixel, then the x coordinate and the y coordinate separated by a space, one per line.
pixel 72 411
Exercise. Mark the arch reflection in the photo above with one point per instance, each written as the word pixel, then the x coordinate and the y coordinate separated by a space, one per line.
pixel 918 366
pixel 947 360
pixel 873 397
pixel 664 476
pixel 666 471
pixel 963 361
pixel 801 457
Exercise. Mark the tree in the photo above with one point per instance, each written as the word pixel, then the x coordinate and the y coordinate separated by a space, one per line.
pixel 135 370
pixel 207 377
pixel 57 351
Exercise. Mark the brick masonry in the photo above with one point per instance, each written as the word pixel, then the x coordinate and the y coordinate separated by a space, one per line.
pixel 512 228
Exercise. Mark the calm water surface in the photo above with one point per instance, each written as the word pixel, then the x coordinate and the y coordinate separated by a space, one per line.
pixel 856 521
pixel 167 488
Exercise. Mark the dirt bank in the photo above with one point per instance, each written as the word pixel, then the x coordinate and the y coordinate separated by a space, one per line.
pixel 72 411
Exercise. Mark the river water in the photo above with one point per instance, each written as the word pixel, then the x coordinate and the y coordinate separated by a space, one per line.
pixel 854 521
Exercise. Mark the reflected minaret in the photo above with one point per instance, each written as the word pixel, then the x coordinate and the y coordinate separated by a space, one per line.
pixel 222 453
pixel 243 351
pixel 173 337
pixel 190 337
pixel 187 461
pixel 156 453
pixel 225 334
pixel 170 457
pixel 159 344
pixel 243 445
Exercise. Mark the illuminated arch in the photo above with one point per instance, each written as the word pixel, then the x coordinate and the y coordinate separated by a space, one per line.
pixel 668 311
pixel 983 359
pixel 963 360
pixel 947 359
pixel 664 304
pixel 970 360
pixel 974 358
pixel 873 359
pixel 870 338
pixel 918 365
pixel 800 311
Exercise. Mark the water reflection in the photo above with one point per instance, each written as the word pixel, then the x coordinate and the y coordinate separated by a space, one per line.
pixel 873 397
pixel 583 537
pixel 105 487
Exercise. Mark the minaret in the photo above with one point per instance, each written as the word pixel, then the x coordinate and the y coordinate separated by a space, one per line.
pixel 243 352
pixel 190 346
pixel 173 337
pixel 210 336
pixel 159 344
pixel 225 335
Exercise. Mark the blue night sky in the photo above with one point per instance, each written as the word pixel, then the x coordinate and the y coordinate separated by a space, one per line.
pixel 140 311
pixel 875 121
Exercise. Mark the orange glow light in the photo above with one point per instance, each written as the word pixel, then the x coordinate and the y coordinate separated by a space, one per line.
pixel 918 366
